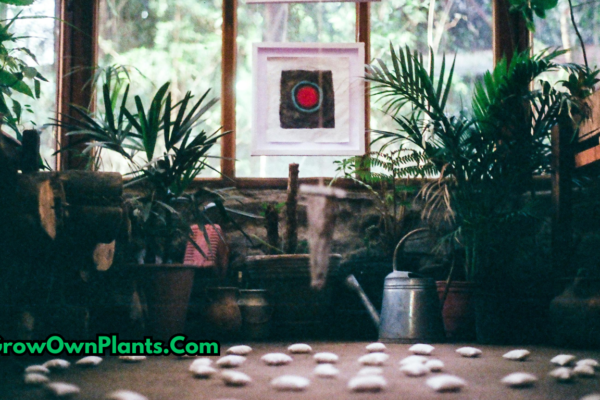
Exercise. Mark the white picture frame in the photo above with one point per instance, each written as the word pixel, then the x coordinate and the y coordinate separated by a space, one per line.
pixel 345 64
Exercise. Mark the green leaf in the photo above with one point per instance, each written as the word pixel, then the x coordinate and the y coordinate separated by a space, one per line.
pixel 18 2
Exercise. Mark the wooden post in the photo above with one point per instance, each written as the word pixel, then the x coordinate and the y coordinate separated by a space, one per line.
pixel 228 67
pixel 272 226
pixel 30 151
pixel 291 211
pixel 509 31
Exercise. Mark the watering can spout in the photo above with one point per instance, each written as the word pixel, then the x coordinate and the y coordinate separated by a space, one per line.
pixel 353 284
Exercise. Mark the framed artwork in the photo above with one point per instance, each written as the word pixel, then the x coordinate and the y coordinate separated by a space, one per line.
pixel 304 1
pixel 308 99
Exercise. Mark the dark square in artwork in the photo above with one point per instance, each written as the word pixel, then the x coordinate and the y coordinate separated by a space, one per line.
pixel 307 100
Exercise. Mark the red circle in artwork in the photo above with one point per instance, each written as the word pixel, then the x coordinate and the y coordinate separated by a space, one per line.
pixel 307 96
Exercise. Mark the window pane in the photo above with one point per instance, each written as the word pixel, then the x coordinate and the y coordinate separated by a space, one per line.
pixel 457 28
pixel 36 28
pixel 177 41
pixel 308 22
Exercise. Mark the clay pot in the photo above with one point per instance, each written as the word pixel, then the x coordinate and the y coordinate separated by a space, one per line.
pixel 222 314
pixel 256 314
pixel 458 311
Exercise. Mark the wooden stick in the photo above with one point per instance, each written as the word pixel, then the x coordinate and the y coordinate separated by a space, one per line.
pixel 291 211
pixel 272 226
pixel 30 151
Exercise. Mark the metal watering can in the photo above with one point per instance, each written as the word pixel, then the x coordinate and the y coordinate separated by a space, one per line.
pixel 410 310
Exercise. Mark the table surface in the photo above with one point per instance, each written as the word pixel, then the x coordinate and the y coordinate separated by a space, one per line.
pixel 168 378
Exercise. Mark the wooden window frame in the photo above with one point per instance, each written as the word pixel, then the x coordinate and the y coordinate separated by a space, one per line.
pixel 77 48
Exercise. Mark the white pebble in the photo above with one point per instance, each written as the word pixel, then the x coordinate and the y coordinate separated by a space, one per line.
pixel 435 365
pixel 414 369
pixel 376 347
pixel 588 361
pixel 202 371
pixel 34 378
pixel 469 352
pixel 583 370
pixel 413 360
pixel 367 383
pixel 326 357
pixel 240 350
pixel 562 374
pixel 235 378
pixel 62 389
pixel 37 369
pixel 517 355
pixel 374 359
pixel 206 362
pixel 446 383
pixel 421 349
pixel 57 364
pixel 563 359
pixel 231 361
pixel 300 348
pixel 275 359
pixel 519 379
pixel 125 395
pixel 132 359
pixel 370 371
pixel 326 371
pixel 290 382
pixel 593 396
pixel 89 361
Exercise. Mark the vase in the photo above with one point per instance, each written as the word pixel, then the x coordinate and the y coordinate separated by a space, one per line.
pixel 458 311
pixel 256 314
pixel 222 314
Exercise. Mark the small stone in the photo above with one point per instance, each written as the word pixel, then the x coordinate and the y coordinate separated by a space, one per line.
pixel 584 371
pixel 367 383
pixel 435 365
pixel 241 350
pixel 326 357
pixel 588 361
pixel 62 389
pixel 446 383
pixel 231 361
pixel 132 359
pixel 202 371
pixel 235 378
pixel 376 347
pixel 593 396
pixel 422 349
pixel 471 352
pixel 414 369
pixel 374 359
pixel 57 364
pixel 207 362
pixel 37 369
pixel 563 359
pixel 370 371
pixel 326 371
pixel 562 374
pixel 517 355
pixel 125 395
pixel 276 359
pixel 413 360
pixel 300 348
pixel 34 378
pixel 290 383
pixel 89 361
pixel 519 379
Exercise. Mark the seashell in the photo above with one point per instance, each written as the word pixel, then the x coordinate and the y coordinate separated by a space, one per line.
pixel 34 378
pixel 562 374
pixel 290 382
pixel 57 364
pixel 37 369
pixel 414 369
pixel 376 347
pixel 583 370
pixel 326 357
pixel 593 396
pixel 240 350
pixel 206 362
pixel 62 389
pixel 446 383
pixel 517 355
pixel 370 371
pixel 563 359
pixel 326 371
pixel 469 352
pixel 202 371
pixel 519 379
pixel 231 361
pixel 374 359
pixel 125 395
pixel 421 349
pixel 435 365
pixel 235 378
pixel 132 359
pixel 89 361
pixel 413 360
pixel 367 383
pixel 275 359
pixel 300 348
pixel 588 361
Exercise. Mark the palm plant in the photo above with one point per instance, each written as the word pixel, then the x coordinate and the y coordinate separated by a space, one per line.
pixel 486 159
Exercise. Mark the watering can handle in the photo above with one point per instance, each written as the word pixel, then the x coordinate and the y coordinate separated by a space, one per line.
pixel 401 242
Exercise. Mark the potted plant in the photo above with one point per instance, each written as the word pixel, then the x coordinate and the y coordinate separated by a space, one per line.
pixel 486 160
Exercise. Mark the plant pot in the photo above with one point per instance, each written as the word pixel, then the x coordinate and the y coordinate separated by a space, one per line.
pixel 505 318
pixel 166 289
pixel 298 310
pixel 458 311
pixel 575 314
pixel 222 314
pixel 256 314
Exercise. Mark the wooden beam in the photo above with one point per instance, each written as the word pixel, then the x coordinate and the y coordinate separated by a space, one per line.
pixel 228 72
pixel 77 54
pixel 509 31
pixel 363 34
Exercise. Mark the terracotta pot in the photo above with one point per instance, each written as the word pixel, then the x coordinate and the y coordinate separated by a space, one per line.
pixel 458 311
pixel 222 313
